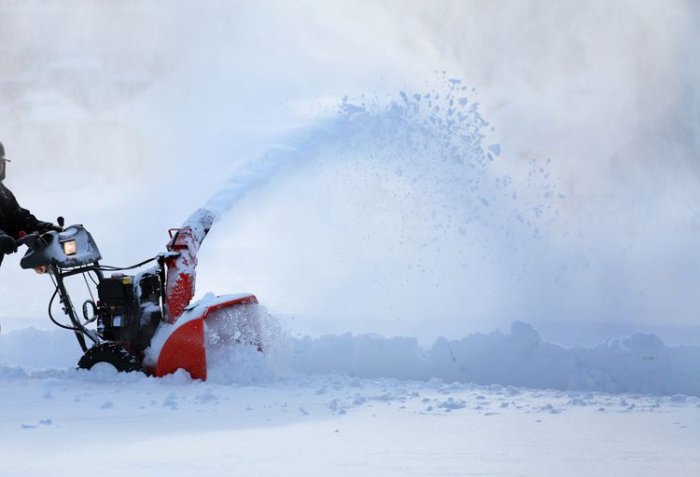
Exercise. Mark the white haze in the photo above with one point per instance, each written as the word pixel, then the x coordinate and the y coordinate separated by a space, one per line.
pixel 127 116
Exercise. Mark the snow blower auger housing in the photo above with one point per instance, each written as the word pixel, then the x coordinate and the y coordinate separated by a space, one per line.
pixel 143 321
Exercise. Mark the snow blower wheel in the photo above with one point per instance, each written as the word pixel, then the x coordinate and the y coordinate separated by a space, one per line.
pixel 112 354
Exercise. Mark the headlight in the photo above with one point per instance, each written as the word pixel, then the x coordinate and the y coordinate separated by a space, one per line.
pixel 70 247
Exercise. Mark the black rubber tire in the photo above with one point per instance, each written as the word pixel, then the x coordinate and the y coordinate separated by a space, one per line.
pixel 114 354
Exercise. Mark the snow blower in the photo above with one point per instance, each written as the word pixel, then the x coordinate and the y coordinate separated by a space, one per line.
pixel 142 322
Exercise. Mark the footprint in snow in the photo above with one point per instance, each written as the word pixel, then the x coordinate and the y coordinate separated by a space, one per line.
pixel 550 409
pixel 206 398
pixel 170 401
pixel 452 404
pixel 43 422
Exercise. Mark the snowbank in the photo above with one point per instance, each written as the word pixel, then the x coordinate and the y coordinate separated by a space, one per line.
pixel 34 349
pixel 640 363
pixel 636 364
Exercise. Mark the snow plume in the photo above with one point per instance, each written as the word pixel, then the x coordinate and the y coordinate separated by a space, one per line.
pixel 402 199
pixel 436 139
pixel 249 177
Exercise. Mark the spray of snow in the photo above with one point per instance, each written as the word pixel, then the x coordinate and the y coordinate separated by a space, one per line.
pixel 241 345
pixel 438 134
pixel 405 192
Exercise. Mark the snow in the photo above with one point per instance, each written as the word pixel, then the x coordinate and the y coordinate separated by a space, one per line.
pixel 640 363
pixel 334 424
pixel 343 405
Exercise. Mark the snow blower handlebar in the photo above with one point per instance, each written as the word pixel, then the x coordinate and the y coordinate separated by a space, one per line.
pixel 64 254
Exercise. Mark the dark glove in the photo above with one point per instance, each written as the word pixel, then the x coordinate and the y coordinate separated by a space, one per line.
pixel 7 244
pixel 43 227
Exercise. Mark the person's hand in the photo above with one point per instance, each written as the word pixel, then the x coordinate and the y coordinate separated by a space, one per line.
pixel 7 244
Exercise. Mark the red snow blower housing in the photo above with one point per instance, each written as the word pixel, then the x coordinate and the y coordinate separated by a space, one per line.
pixel 143 321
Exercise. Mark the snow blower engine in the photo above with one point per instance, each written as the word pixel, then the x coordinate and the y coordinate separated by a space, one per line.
pixel 142 322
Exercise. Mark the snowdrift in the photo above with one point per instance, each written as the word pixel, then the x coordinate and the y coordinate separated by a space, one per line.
pixel 636 364
pixel 640 363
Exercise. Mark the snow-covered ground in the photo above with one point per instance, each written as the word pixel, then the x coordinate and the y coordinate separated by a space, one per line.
pixel 84 423
pixel 344 405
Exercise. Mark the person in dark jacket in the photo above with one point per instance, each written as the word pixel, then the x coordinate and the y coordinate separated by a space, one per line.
pixel 13 218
